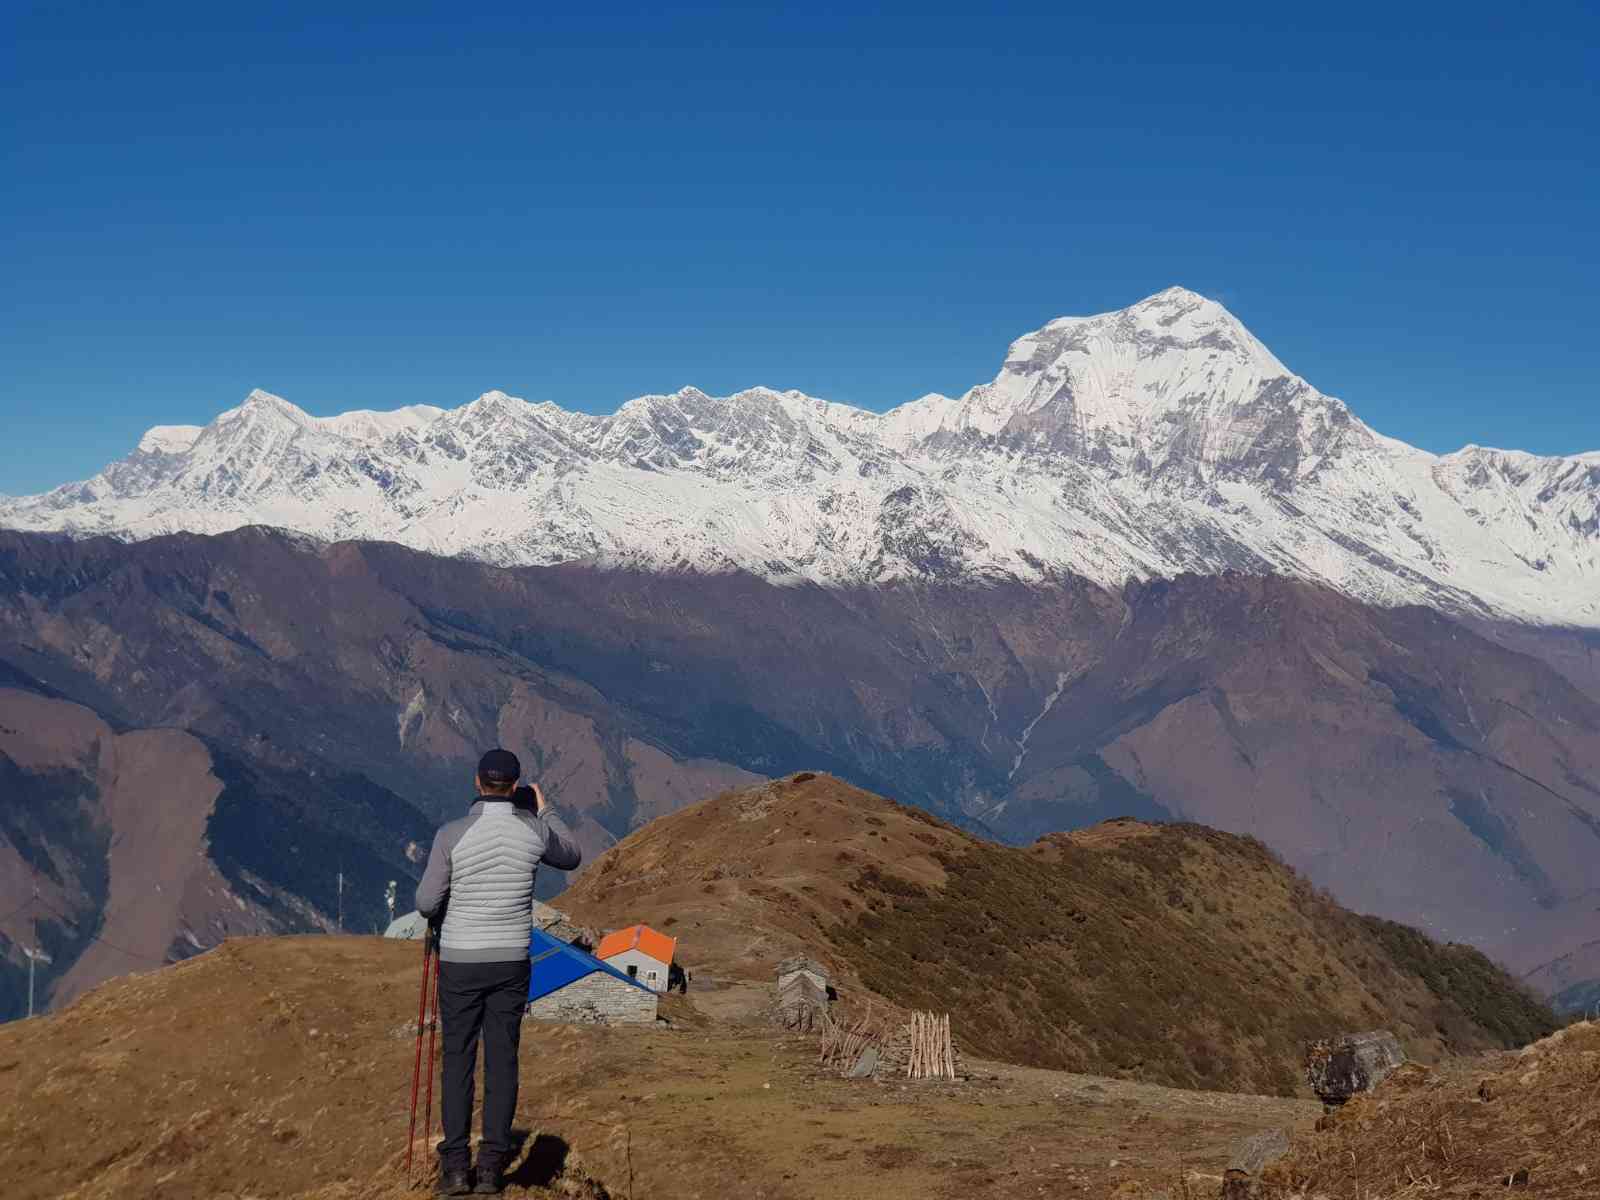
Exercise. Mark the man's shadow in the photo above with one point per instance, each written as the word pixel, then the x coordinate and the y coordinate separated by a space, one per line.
pixel 543 1163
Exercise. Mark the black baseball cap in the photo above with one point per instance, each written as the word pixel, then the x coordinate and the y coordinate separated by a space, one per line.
pixel 499 766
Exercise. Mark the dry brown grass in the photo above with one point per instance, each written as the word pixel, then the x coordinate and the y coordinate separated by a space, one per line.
pixel 280 1068
pixel 1174 953
pixel 1465 1129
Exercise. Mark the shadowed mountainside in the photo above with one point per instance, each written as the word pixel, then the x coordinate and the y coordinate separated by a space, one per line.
pixel 324 705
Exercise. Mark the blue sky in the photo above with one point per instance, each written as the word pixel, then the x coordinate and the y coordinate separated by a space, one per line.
pixel 415 203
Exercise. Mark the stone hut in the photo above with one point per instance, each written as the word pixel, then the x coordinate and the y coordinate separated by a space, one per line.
pixel 804 993
pixel 791 969
pixel 566 984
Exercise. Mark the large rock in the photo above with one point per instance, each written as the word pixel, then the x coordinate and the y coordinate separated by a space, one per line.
pixel 1241 1181
pixel 866 1065
pixel 1345 1066
pixel 1257 1150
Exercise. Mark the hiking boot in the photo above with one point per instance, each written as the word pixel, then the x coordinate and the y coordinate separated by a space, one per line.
pixel 453 1183
pixel 490 1182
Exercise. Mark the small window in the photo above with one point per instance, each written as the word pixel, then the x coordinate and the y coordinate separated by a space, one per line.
pixel 652 976
pixel 633 971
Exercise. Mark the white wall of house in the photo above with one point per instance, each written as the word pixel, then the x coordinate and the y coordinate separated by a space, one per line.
pixel 651 972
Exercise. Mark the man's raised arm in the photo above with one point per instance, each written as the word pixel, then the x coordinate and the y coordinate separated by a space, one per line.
pixel 435 885
pixel 560 847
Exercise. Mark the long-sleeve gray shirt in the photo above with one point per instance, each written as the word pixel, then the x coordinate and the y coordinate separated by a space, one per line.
pixel 484 864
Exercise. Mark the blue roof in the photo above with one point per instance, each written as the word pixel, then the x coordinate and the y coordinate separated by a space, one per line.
pixel 555 964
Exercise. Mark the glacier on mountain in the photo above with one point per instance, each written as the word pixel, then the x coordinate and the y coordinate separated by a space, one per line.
pixel 1159 439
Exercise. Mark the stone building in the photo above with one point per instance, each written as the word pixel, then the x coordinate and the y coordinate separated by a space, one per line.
pixel 790 970
pixel 565 984
pixel 804 993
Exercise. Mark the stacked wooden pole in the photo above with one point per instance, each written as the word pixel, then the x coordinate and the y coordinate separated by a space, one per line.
pixel 932 1050
pixel 921 1048
pixel 842 1044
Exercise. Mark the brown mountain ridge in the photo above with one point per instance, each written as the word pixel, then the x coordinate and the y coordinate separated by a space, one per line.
pixel 319 708
pixel 1171 954
pixel 1139 953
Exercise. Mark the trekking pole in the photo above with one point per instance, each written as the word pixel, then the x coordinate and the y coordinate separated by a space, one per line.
pixel 416 1066
pixel 433 1062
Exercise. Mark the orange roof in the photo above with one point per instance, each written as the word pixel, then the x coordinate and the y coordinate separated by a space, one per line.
pixel 638 937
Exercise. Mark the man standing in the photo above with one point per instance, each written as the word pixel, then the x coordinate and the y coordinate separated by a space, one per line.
pixel 479 883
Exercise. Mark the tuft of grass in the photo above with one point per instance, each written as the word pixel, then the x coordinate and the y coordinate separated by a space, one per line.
pixel 1467 1129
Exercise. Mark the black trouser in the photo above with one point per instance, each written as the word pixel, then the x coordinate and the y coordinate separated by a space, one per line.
pixel 473 998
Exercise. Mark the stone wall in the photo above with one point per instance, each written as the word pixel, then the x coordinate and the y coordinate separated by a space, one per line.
pixel 597 999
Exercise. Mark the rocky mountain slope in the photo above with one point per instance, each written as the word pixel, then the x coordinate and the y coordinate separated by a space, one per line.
pixel 314 709
pixel 280 1066
pixel 1158 440
pixel 1071 953
pixel 103 851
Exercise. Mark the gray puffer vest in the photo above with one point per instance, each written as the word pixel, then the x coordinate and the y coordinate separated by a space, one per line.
pixel 480 874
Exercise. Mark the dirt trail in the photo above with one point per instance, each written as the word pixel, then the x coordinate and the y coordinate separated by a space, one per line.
pixel 279 1068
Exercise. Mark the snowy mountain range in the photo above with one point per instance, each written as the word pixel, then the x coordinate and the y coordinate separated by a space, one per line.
pixel 1144 443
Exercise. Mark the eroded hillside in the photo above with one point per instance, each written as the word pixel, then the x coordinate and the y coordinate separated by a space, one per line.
pixel 339 695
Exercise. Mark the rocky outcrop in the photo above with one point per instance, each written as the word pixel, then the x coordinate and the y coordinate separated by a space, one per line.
pixel 1342 1067
pixel 557 924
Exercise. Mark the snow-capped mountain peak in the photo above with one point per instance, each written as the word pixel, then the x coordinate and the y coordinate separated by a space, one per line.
pixel 169 439
pixel 1156 439
pixel 264 406
pixel 1173 386
pixel 496 401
